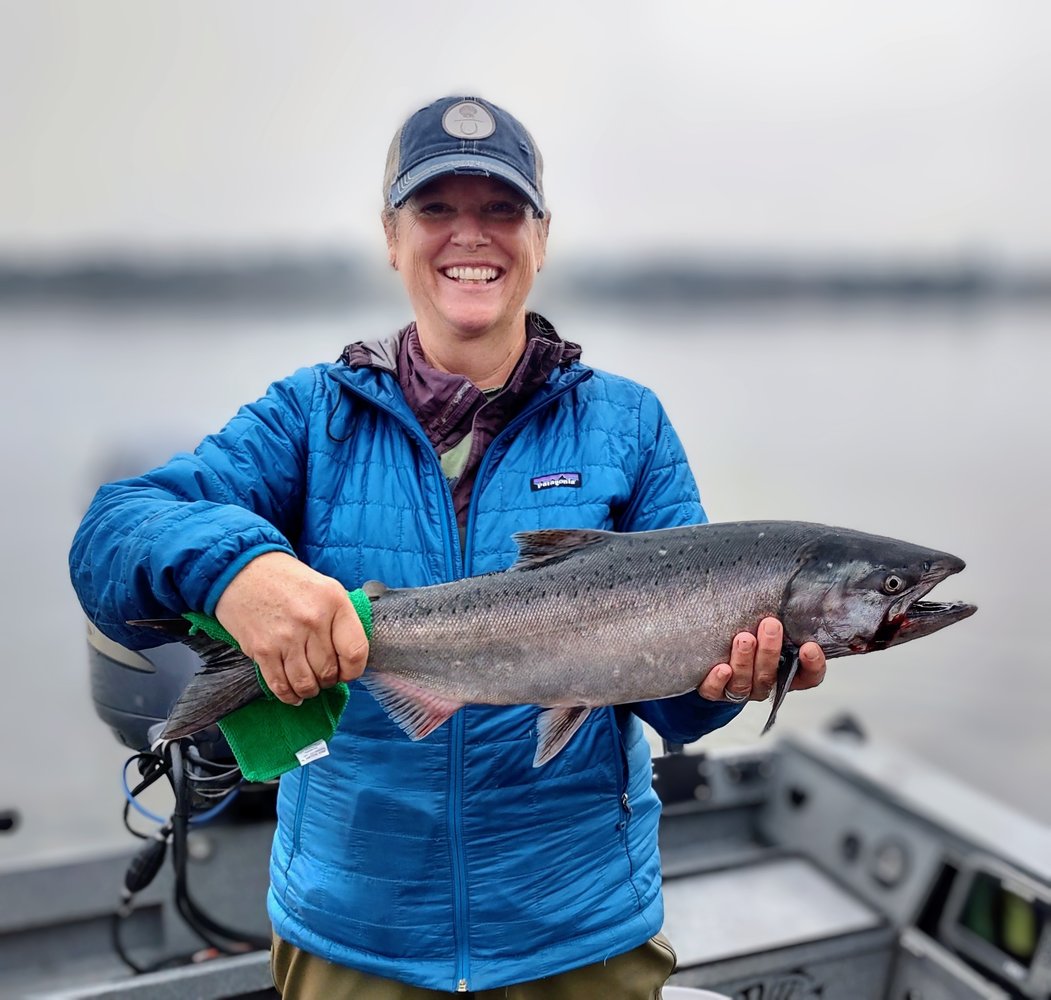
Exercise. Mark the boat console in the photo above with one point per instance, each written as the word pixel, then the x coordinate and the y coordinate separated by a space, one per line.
pixel 830 867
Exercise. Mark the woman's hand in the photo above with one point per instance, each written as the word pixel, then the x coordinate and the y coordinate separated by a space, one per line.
pixel 752 671
pixel 297 624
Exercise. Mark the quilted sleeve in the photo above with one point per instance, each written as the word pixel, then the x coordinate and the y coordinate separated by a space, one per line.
pixel 666 496
pixel 171 540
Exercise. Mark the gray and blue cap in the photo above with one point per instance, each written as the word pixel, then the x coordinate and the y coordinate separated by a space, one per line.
pixel 463 135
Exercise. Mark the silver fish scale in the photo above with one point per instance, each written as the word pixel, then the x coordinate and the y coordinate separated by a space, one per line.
pixel 627 618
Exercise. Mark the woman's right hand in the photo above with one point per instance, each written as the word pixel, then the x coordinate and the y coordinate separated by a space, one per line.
pixel 297 624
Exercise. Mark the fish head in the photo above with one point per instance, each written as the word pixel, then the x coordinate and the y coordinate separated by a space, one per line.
pixel 855 593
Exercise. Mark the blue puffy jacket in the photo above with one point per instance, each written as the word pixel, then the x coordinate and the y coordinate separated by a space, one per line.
pixel 450 863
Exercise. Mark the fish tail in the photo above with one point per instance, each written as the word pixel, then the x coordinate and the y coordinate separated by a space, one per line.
pixel 227 680
pixel 214 693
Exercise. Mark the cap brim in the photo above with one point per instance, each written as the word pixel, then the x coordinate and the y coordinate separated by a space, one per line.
pixel 462 163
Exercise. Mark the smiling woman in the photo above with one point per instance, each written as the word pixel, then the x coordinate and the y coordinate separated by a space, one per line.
pixel 466 226
pixel 417 868
pixel 467 249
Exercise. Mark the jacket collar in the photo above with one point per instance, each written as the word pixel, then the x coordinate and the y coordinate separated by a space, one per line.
pixel 382 353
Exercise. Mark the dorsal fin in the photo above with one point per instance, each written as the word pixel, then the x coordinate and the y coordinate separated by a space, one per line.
pixel 551 545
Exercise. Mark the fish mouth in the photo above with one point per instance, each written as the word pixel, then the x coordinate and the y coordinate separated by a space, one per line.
pixel 922 618
pixel 912 618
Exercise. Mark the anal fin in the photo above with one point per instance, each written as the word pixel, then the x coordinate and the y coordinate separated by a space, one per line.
pixel 555 727
pixel 416 710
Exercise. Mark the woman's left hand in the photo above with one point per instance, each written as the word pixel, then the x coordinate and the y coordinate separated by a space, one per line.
pixel 752 671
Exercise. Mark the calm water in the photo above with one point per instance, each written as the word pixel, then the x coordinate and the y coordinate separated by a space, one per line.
pixel 932 426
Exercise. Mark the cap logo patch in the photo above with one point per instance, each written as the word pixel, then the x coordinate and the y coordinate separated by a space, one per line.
pixel 468 120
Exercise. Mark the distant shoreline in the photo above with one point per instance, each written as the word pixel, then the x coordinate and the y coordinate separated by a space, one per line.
pixel 325 281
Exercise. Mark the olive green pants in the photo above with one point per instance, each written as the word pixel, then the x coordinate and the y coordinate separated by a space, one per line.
pixel 636 975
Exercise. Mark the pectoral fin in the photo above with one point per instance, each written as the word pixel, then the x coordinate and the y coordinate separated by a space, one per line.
pixel 416 710
pixel 554 729
pixel 786 672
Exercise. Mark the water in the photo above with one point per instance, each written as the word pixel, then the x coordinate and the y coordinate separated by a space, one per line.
pixel 928 425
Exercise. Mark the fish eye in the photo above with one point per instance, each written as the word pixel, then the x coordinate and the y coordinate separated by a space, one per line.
pixel 893 584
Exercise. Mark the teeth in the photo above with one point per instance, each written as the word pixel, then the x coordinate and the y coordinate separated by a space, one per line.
pixel 471 273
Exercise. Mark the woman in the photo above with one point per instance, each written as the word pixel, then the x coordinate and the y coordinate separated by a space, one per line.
pixel 411 870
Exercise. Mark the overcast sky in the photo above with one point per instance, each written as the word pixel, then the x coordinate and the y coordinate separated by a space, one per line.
pixel 817 127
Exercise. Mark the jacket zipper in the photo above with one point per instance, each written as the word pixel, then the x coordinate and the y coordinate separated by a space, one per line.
pixel 461 923
pixel 456 568
pixel 456 737
pixel 459 856
pixel 454 798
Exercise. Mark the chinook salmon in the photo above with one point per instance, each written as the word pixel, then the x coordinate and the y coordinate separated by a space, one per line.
pixel 588 618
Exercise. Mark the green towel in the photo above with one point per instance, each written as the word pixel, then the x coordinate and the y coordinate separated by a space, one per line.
pixel 267 736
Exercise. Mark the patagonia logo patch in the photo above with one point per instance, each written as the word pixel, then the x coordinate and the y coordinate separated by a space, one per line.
pixel 553 479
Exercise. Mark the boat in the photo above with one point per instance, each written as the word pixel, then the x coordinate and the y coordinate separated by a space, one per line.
pixel 818 865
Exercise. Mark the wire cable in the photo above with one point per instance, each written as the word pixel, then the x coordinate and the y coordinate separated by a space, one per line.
pixel 188 787
pixel 157 768
pixel 208 929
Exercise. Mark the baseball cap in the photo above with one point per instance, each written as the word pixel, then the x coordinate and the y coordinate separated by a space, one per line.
pixel 463 135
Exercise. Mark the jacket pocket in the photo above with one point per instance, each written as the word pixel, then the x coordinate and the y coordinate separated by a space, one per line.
pixel 623 805
pixel 297 819
pixel 619 756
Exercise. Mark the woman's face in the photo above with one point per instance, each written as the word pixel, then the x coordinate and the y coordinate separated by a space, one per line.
pixel 467 249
